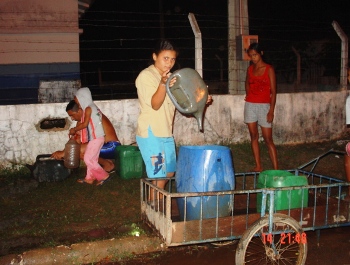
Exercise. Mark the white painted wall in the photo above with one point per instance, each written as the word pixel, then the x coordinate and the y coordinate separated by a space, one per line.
pixel 300 117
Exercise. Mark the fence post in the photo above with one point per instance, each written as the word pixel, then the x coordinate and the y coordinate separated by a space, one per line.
pixel 344 54
pixel 198 44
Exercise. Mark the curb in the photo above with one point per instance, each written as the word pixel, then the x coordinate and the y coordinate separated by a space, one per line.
pixel 89 252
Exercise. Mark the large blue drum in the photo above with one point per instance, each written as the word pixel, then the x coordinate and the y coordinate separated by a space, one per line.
pixel 202 169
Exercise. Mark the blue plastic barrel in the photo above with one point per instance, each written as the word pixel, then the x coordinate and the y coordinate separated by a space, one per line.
pixel 202 169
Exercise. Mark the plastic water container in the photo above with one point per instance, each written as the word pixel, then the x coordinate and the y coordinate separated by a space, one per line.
pixel 202 169
pixel 287 199
pixel 129 163
pixel 72 154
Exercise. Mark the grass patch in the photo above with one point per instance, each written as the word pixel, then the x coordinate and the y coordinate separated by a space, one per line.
pixel 67 212
pixel 67 209
pixel 11 175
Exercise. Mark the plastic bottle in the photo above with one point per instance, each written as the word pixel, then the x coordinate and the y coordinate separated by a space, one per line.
pixel 72 154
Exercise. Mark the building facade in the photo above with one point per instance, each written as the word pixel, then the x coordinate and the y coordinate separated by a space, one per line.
pixel 39 41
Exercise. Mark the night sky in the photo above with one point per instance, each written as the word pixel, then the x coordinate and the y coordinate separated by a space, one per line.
pixel 298 19
pixel 119 35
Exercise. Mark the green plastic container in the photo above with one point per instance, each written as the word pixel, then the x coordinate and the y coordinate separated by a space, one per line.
pixel 287 199
pixel 129 163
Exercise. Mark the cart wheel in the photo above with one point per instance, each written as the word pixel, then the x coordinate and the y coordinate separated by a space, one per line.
pixel 286 244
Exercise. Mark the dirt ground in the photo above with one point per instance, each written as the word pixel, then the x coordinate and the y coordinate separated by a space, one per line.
pixel 37 215
pixel 331 247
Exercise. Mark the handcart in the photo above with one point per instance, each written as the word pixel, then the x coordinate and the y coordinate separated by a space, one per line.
pixel 267 234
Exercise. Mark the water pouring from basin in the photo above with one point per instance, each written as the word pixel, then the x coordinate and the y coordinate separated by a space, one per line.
pixel 189 93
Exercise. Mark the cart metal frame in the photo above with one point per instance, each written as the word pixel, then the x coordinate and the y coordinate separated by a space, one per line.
pixel 326 207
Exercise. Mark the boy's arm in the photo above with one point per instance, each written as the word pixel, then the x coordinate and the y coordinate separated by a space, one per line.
pixel 58 155
pixel 77 134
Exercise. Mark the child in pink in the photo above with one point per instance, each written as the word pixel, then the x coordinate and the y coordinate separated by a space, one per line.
pixel 91 132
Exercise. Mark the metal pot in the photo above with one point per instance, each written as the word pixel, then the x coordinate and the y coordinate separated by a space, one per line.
pixel 189 93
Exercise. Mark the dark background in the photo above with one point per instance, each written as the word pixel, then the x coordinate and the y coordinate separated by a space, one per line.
pixel 118 36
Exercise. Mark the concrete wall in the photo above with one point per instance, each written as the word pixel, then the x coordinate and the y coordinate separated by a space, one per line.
pixel 300 117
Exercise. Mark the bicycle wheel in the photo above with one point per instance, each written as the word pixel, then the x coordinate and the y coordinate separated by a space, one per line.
pixel 285 244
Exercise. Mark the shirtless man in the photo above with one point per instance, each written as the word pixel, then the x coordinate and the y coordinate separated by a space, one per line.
pixel 111 139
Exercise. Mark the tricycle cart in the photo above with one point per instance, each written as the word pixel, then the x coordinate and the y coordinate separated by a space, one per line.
pixel 267 234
